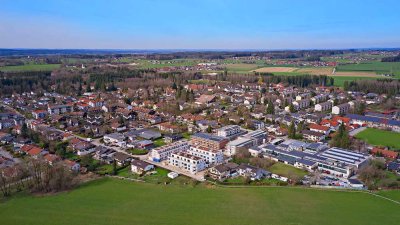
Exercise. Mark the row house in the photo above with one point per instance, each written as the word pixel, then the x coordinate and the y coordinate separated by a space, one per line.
pixel 324 106
pixel 375 122
pixel 341 109
pixel 319 128
pixel 313 135
pixel 319 98
pixel 60 109
pixel 39 114
pixel 300 104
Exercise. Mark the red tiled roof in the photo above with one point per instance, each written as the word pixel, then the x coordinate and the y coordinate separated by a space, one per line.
pixel 51 157
pixel 385 153
pixel 35 151
pixel 26 148
pixel 318 127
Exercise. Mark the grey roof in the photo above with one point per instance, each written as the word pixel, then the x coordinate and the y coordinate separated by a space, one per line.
pixel 208 137
pixel 374 119
pixel 306 162
pixel 139 163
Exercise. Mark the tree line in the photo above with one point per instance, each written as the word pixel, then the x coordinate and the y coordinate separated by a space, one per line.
pixel 36 176
pixel 380 86
pixel 391 59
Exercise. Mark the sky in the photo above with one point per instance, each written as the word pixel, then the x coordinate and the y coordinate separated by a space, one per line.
pixel 199 24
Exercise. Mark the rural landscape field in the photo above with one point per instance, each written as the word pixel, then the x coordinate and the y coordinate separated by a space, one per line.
pixel 187 112
pixel 109 201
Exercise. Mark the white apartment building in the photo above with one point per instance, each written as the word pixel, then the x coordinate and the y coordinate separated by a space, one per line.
pixel 229 131
pixel 341 109
pixel 301 104
pixel 162 153
pixel 187 162
pixel 319 98
pixel 60 109
pixel 210 156
pixel 324 106
pixel 258 136
pixel 233 146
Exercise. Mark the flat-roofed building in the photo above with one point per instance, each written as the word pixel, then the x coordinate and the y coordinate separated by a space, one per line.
pixel 230 131
pixel 210 156
pixel 187 162
pixel 208 141
pixel 162 153
pixel 233 146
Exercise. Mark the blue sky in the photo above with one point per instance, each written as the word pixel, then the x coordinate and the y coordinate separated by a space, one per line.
pixel 201 24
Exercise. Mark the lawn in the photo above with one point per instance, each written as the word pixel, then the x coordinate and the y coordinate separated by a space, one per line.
pixel 159 142
pixel 138 151
pixel 373 66
pixel 111 201
pixel 380 138
pixel 30 67
pixel 286 170
pixel 392 194
pixel 339 80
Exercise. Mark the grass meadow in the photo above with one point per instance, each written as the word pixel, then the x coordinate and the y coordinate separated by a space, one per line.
pixel 380 138
pixel 111 201
pixel 30 67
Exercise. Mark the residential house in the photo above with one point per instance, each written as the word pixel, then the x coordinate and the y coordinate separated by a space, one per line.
pixel 223 171
pixel 140 167
pixel 252 172
pixel 60 109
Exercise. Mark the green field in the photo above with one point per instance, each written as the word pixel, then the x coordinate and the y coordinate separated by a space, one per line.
pixel 110 201
pixel 373 66
pixel 146 64
pixel 392 194
pixel 339 81
pixel 380 138
pixel 286 170
pixel 30 67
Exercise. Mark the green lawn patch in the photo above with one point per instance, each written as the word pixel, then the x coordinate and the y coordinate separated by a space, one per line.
pixel 339 80
pixel 286 170
pixel 159 142
pixel 392 194
pixel 138 151
pixel 380 138
pixel 112 201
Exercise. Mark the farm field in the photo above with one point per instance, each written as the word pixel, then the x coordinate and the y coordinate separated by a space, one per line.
pixel 146 64
pixel 30 67
pixel 339 80
pixel 110 201
pixel 374 66
pixel 380 138
pixel 276 69
pixel 315 71
pixel 241 67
